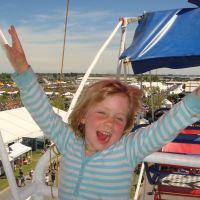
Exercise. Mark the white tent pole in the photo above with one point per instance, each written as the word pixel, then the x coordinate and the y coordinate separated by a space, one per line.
pixel 8 170
pixel 152 103
pixel 139 182
pixel 122 47
pixel 126 21
pixel 74 100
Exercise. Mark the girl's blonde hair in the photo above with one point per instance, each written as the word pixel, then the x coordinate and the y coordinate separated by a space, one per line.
pixel 96 93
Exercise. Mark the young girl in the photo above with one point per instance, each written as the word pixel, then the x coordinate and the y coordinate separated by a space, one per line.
pixel 98 153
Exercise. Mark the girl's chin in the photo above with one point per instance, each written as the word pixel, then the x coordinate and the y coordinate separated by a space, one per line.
pixel 102 147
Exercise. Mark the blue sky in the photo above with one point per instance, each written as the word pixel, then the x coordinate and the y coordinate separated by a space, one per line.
pixel 40 24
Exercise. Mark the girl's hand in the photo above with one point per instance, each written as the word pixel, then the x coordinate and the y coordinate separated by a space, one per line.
pixel 15 53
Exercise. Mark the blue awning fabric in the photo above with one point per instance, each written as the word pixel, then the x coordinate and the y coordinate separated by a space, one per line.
pixel 169 38
pixel 196 2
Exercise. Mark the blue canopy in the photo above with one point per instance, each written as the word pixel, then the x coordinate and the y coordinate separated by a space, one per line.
pixel 169 38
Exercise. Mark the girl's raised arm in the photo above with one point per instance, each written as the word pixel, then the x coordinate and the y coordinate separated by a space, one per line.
pixel 15 53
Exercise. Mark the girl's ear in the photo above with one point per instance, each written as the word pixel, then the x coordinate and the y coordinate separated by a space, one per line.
pixel 82 117
pixel 83 120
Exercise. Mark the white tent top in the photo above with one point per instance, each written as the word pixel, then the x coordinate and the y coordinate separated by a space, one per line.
pixel 18 149
pixel 17 123
pixel 166 101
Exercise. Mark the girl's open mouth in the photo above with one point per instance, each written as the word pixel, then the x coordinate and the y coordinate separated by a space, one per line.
pixel 103 136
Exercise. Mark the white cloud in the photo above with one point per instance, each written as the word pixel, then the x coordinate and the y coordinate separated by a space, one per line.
pixel 42 39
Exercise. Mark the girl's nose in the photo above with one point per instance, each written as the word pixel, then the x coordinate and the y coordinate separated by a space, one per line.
pixel 110 120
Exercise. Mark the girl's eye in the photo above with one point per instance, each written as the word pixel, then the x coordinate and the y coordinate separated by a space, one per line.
pixel 120 119
pixel 101 112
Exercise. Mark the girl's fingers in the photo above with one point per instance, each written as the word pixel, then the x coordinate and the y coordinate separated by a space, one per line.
pixel 15 52
pixel 15 40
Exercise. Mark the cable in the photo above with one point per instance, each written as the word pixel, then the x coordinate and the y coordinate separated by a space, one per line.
pixel 64 40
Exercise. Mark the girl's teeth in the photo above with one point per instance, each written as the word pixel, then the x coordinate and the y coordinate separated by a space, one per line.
pixel 106 133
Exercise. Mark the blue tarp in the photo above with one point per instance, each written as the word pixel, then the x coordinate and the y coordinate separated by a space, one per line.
pixel 169 38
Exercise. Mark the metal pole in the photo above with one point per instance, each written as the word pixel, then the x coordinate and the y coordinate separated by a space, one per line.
pixel 139 182
pixel 152 103
pixel 173 159
pixel 8 170
pixel 121 48
pixel 78 92
pixel 126 21
pixel 125 72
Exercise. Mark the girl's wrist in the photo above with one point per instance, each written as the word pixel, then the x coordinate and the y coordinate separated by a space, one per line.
pixel 23 69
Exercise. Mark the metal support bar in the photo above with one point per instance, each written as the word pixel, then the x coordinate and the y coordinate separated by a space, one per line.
pixel 126 21
pixel 78 92
pixel 173 159
pixel 139 182
pixel 8 170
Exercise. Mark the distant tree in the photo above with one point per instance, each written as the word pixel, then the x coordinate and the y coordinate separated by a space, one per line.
pixel 58 102
pixel 3 100
pixel 154 100
pixel 5 77
pixel 174 98
pixel 148 78
pixel 155 78
pixel 184 86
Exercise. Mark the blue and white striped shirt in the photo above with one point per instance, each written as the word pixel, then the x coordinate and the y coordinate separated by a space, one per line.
pixel 107 175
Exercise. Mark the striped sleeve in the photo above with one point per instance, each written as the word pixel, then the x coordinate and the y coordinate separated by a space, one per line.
pixel 151 138
pixel 36 102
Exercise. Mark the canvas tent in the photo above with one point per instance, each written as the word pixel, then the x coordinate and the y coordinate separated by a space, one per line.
pixel 18 149
pixel 17 123
pixel 14 151
pixel 167 103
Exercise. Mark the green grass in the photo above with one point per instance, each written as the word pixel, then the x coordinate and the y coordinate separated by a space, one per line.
pixel 25 168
